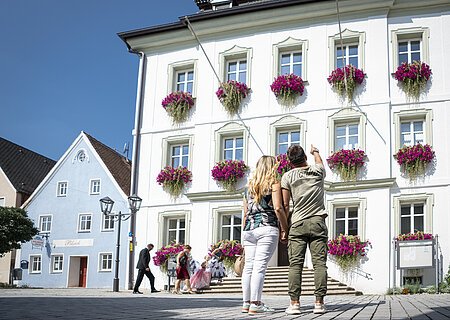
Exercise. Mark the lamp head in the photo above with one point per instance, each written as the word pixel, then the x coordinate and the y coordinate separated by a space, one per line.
pixel 106 205
pixel 134 202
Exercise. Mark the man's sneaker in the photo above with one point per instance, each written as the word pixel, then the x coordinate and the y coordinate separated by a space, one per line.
pixel 319 308
pixel 255 309
pixel 245 307
pixel 293 309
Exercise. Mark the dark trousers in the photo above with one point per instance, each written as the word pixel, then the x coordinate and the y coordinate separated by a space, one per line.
pixel 140 276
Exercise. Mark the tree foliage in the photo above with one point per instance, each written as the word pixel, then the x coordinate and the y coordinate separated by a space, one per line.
pixel 15 227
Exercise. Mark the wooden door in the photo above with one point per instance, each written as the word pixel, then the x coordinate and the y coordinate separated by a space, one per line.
pixel 83 272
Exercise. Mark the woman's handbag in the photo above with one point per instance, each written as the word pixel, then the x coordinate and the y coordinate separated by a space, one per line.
pixel 239 264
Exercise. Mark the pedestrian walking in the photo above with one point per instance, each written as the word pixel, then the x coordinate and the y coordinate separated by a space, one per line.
pixel 304 184
pixel 263 214
pixel 144 269
pixel 182 270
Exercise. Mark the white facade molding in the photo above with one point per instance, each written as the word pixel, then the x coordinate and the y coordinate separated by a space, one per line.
pixel 172 70
pixel 349 37
pixel 359 185
pixel 360 203
pixel 283 124
pixel 235 53
pixel 287 45
pixel 419 33
pixel 164 216
pixel 426 198
pixel 168 142
pixel 425 115
pixel 347 116
pixel 217 213
pixel 230 130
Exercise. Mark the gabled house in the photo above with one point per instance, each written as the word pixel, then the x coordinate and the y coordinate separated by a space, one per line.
pixel 78 242
pixel 21 171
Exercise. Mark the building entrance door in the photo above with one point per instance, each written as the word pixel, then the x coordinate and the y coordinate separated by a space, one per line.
pixel 83 272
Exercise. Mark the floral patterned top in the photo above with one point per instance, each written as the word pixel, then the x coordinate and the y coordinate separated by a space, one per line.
pixel 260 214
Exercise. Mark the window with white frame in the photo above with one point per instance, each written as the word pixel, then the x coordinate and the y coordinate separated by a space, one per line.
pixel 182 76
pixel 179 155
pixel 176 151
pixel 290 57
pixel 235 64
pixel 285 139
pixel 84 222
pixel 286 131
pixel 349 50
pixel 347 216
pixel 95 186
pixel 230 226
pixel 45 223
pixel 108 222
pixel 413 127
pixel 413 212
pixel 2 201
pixel 231 142
pixel 57 263
pixel 62 188
pixel 347 129
pixel 174 227
pixel 410 44
pixel 105 262
pixel 36 264
pixel 176 230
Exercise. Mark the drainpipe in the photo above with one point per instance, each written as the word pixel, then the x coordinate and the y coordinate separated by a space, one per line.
pixel 134 160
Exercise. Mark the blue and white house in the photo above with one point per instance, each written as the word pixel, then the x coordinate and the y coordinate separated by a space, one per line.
pixel 77 242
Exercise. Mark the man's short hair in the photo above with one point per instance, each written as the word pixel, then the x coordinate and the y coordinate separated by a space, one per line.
pixel 150 245
pixel 187 247
pixel 296 154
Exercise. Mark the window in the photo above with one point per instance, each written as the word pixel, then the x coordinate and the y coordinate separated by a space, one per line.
pixel 290 57
pixel 182 77
pixel 230 226
pixel 346 136
pixel 62 189
pixel 95 186
pixel 346 220
pixel 2 201
pixel 284 132
pixel 413 127
pixel 347 216
pixel 411 217
pixel 36 264
pixel 347 129
pixel 176 151
pixel 235 64
pixel 349 51
pixel 231 142
pixel 45 223
pixel 175 227
pixel 57 263
pixel 108 223
pixel 81 156
pixel 413 212
pixel 285 139
pixel 410 44
pixel 105 262
pixel 84 224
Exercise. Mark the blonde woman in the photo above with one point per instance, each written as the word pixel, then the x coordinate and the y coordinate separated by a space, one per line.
pixel 263 215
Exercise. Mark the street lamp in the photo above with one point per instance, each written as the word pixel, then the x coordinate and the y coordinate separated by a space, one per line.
pixel 106 205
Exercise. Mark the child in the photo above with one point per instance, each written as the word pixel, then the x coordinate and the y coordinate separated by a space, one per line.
pixel 216 264
pixel 201 279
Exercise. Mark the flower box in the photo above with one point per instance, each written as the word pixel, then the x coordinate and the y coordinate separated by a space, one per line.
pixel 346 163
pixel 413 77
pixel 231 94
pixel 164 254
pixel 283 164
pixel 354 77
pixel 347 251
pixel 228 172
pixel 177 104
pixel 174 180
pixel 287 88
pixel 414 159
pixel 230 249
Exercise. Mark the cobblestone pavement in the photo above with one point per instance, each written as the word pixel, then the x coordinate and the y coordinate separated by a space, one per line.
pixel 103 304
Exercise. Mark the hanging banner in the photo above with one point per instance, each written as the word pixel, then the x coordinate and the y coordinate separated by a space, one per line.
pixel 37 242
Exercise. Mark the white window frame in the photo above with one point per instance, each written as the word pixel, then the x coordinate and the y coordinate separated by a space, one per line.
pixel 169 142
pixel 290 45
pixel 41 217
pixel 163 219
pixel 349 37
pixel 425 115
pixel 92 186
pixel 360 203
pixel 112 221
pixel 230 130
pixel 2 201
pixel 347 134
pixel 286 123
pixel 101 256
pixel 59 188
pixel 80 222
pixel 412 215
pixel 416 33
pixel 347 116
pixel 217 219
pixel 32 265
pixel 175 68
pixel 234 54
pixel 426 198
pixel 60 263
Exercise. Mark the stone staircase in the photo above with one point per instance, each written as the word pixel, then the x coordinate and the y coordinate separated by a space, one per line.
pixel 276 282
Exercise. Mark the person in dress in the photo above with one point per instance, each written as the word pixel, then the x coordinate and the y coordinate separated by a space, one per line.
pixel 201 279
pixel 263 215
pixel 182 270
pixel 216 264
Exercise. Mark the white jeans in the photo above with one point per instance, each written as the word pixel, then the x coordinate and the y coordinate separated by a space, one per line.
pixel 259 244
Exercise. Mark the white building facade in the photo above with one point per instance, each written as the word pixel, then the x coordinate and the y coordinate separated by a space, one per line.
pixel 255 42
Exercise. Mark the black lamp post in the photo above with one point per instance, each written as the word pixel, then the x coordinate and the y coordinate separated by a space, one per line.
pixel 106 205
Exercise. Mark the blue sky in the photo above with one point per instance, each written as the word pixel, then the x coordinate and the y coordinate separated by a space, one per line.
pixel 63 69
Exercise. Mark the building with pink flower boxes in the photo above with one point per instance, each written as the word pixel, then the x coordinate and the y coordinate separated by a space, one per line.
pixel 255 42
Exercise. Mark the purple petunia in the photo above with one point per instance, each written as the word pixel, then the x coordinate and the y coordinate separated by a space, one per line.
pixel 228 172
pixel 287 87
pixel 414 159
pixel 413 77
pixel 347 162
pixel 353 76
